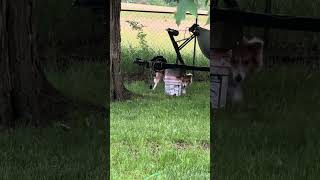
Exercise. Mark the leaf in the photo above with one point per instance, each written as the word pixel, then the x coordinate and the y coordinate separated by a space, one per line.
pixel 184 6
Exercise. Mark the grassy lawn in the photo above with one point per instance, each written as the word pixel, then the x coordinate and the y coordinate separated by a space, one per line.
pixel 275 134
pixel 156 136
pixel 150 135
pixel 167 137
pixel 53 153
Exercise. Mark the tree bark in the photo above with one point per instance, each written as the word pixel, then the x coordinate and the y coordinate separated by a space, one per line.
pixel 118 90
pixel 25 93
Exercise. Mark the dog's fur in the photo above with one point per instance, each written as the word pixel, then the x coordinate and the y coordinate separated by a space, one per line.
pixel 157 78
pixel 247 59
pixel 186 79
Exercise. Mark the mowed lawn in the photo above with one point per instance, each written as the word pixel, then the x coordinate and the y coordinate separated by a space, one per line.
pixel 154 136
pixel 159 135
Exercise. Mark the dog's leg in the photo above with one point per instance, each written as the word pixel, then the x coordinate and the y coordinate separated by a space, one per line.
pixel 156 81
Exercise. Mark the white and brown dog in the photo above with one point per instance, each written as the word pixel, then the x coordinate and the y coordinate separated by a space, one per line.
pixel 246 59
pixel 186 78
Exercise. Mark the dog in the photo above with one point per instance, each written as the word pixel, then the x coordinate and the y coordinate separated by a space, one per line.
pixel 186 79
pixel 157 78
pixel 246 60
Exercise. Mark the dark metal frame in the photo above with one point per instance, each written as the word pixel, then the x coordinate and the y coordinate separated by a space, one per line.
pixel 177 48
pixel 160 65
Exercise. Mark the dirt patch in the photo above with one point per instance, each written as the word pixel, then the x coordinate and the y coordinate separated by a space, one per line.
pixel 155 148
pixel 181 144
pixel 205 144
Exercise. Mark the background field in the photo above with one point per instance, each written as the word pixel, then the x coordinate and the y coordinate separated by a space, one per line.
pixel 156 41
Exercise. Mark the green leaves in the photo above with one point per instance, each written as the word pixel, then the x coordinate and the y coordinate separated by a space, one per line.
pixel 185 6
pixel 191 6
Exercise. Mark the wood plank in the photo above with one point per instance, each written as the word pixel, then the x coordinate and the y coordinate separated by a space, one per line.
pixel 262 20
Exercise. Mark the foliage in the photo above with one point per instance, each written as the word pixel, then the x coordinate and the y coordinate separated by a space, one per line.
pixel 141 36
pixel 191 6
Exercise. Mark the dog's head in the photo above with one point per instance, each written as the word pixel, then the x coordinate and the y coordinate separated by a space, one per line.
pixel 247 58
pixel 186 79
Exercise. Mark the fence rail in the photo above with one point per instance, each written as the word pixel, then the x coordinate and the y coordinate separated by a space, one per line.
pixel 154 9
pixel 267 20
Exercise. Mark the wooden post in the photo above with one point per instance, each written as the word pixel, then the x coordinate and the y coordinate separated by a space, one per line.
pixel 267 10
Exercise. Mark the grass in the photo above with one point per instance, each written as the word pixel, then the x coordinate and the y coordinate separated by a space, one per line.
pixel 52 153
pixel 159 134
pixel 156 136
pixel 275 134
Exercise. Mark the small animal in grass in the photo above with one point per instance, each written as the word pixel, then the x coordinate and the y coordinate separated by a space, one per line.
pixel 246 60
pixel 186 79
pixel 157 78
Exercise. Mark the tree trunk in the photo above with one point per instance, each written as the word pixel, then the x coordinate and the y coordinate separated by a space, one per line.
pixel 118 91
pixel 25 93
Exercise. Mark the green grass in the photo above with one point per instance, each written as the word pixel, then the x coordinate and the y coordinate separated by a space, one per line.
pixel 83 80
pixel 275 133
pixel 161 134
pixel 51 152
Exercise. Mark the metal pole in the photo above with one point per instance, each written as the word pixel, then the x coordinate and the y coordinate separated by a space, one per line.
pixel 194 50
